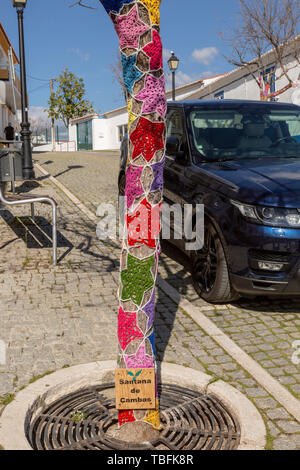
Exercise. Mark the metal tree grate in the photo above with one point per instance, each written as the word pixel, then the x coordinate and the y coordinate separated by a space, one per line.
pixel 85 420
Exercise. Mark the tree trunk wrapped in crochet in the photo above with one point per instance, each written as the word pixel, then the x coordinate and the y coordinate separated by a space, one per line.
pixel 137 25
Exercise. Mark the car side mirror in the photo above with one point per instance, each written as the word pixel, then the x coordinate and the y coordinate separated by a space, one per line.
pixel 172 147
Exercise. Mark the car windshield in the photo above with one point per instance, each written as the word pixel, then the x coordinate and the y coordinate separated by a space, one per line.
pixel 245 133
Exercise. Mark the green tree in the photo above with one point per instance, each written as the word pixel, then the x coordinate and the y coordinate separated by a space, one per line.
pixel 68 101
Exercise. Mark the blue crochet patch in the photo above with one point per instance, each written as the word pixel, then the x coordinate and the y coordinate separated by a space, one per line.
pixel 114 5
pixel 130 72
pixel 152 341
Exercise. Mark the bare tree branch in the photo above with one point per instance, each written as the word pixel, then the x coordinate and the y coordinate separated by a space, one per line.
pixel 79 3
pixel 264 26
pixel 117 71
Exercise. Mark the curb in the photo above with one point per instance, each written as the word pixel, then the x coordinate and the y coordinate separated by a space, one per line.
pixel 271 385
pixel 262 377
pixel 15 416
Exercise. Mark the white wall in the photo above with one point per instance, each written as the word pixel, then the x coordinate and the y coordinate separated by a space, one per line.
pixel 73 133
pixel 237 85
pixel 105 131
pixel 246 88
pixel 100 135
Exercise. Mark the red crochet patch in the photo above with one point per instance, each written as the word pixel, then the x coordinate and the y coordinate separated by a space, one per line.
pixel 154 50
pixel 144 225
pixel 127 328
pixel 126 416
pixel 147 138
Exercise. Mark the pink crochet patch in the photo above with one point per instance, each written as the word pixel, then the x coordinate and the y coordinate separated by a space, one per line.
pixel 139 359
pixel 127 328
pixel 154 50
pixel 130 28
pixel 134 188
pixel 153 96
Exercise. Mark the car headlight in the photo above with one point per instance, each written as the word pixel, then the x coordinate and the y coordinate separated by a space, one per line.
pixel 274 216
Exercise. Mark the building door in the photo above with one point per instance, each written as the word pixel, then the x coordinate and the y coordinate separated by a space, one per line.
pixel 84 136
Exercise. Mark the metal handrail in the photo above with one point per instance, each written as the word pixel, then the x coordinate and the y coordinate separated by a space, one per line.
pixel 32 201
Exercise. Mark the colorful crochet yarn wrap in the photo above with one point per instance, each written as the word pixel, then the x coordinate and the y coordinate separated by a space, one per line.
pixel 137 25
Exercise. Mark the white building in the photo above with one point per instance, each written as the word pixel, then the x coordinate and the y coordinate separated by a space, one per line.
pixel 105 132
pixel 10 93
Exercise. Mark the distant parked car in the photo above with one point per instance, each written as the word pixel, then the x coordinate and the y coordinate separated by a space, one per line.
pixel 241 159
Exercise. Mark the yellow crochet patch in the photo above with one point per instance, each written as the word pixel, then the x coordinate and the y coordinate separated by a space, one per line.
pixel 153 417
pixel 131 116
pixel 153 7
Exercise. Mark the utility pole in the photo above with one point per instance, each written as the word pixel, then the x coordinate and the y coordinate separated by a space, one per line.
pixel 52 122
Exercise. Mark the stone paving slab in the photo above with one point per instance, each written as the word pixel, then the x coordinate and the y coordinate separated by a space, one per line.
pixel 56 317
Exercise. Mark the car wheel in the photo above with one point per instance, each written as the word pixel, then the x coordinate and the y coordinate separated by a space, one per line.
pixel 122 185
pixel 210 270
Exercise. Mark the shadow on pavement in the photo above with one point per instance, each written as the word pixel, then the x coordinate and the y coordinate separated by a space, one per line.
pixel 70 167
pixel 35 233
pixel 165 317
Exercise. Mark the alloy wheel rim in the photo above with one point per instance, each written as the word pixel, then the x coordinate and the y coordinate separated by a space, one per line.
pixel 205 264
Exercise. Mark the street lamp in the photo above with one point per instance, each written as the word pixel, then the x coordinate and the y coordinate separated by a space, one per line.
pixel 25 125
pixel 173 66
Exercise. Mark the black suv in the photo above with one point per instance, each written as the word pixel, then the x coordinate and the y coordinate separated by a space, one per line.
pixel 241 160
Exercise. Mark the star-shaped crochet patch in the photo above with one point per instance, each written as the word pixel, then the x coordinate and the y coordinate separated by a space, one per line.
pixel 131 116
pixel 153 8
pixel 127 328
pixel 154 51
pixel 153 96
pixel 147 138
pixel 114 5
pixel 153 417
pixel 134 188
pixel 149 309
pixel 130 72
pixel 137 278
pixel 143 226
pixel 130 28
pixel 158 178
pixel 139 359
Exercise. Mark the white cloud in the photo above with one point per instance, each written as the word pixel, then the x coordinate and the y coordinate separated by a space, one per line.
pixel 206 55
pixel 184 78
pixel 166 54
pixel 85 56
pixel 181 79
pixel 38 113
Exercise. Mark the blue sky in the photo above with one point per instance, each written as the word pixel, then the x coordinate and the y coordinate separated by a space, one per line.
pixel 84 40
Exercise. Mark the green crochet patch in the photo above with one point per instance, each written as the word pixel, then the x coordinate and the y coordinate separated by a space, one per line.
pixel 137 278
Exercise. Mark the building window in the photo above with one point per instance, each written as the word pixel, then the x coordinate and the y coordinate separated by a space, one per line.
pixel 219 95
pixel 122 131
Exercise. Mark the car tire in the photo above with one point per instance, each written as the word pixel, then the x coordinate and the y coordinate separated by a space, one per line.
pixel 210 270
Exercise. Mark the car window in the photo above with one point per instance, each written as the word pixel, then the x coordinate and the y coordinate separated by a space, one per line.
pixel 175 125
pixel 245 133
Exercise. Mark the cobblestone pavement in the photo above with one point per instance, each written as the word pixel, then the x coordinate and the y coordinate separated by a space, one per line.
pixel 100 173
pixel 55 317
